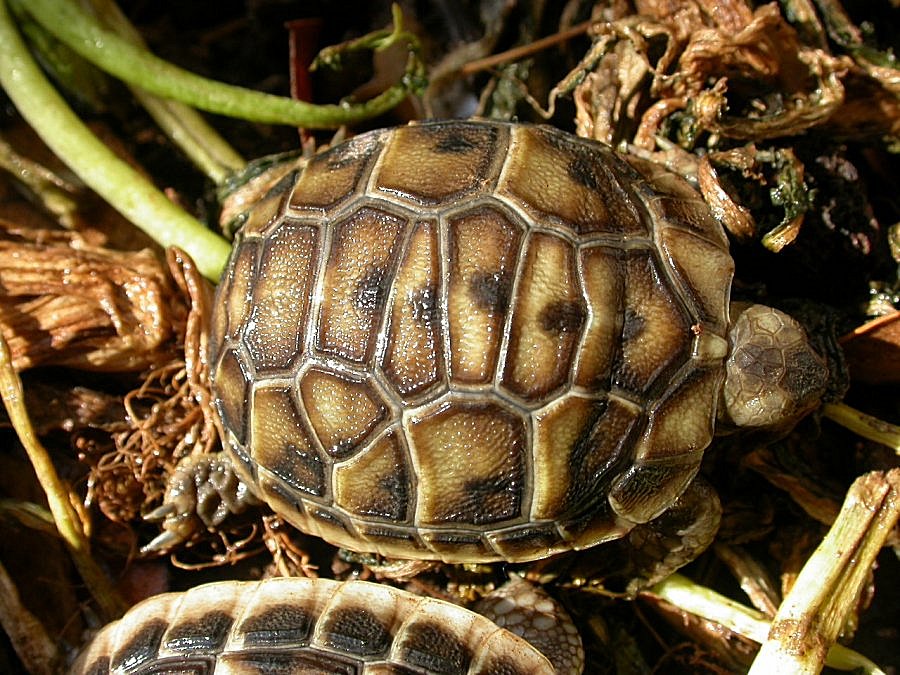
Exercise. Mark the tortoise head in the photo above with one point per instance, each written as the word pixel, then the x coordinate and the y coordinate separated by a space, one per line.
pixel 773 375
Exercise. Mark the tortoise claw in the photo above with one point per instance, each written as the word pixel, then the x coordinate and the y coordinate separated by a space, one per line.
pixel 165 541
pixel 202 491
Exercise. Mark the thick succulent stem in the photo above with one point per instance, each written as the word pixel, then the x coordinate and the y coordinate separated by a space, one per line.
pixel 113 179
pixel 129 62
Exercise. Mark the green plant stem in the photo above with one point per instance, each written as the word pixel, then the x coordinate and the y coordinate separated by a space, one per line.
pixel 54 194
pixel 186 128
pixel 108 51
pixel 113 179
pixel 64 516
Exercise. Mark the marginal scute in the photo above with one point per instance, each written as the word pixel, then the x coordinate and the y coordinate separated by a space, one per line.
pixel 428 164
pixel 280 496
pixel 668 454
pixel 343 411
pixel 705 270
pixel 597 458
pixel 389 540
pixel 280 441
pixel 266 210
pixel 456 544
pixel 682 425
pixel 520 543
pixel 266 662
pixel 331 178
pixel 239 289
pixel 329 524
pixel 376 483
pixel 646 489
pixel 233 385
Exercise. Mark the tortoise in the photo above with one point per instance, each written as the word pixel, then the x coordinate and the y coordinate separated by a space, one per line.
pixel 478 341
pixel 301 625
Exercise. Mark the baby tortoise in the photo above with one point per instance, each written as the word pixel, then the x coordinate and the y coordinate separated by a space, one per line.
pixel 299 625
pixel 478 341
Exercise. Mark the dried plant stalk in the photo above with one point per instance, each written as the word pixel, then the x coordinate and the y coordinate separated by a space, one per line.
pixel 827 589
pixel 169 415
pixel 68 303
pixel 33 645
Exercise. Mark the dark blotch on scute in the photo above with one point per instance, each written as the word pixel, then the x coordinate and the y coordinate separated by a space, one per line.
pixel 301 469
pixel 425 306
pixel 277 625
pixel 270 662
pixel 328 518
pixel 584 171
pixel 490 290
pixel 356 631
pixel 587 490
pixel 370 291
pixel 428 645
pixel 491 500
pixel 563 317
pixel 142 646
pixel 632 326
pixel 459 138
pixel 392 499
pixel 453 143
pixel 206 633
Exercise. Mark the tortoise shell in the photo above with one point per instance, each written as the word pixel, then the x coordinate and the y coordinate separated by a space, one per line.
pixel 298 625
pixel 472 341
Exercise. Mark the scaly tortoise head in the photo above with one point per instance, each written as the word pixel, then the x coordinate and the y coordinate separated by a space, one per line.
pixel 477 341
